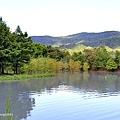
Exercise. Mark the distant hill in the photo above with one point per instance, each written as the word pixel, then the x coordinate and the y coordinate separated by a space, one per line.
pixel 107 38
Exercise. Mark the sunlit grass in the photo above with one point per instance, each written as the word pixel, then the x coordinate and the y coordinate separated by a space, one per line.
pixel 23 76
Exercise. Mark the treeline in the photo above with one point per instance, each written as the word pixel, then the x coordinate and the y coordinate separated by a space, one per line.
pixel 98 59
pixel 90 59
pixel 17 50
pixel 19 54
pixel 50 65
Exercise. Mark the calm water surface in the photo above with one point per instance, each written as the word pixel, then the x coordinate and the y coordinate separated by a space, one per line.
pixel 77 96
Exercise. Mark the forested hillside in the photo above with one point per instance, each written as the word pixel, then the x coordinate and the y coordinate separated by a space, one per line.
pixel 108 38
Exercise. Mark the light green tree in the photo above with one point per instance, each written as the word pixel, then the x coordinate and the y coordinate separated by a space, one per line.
pixel 117 58
pixel 111 64
pixel 86 66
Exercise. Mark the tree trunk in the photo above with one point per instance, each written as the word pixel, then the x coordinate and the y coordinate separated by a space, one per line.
pixel 2 69
pixel 16 68
pixel 14 71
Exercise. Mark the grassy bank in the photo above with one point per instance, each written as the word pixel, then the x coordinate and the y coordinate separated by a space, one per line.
pixel 23 76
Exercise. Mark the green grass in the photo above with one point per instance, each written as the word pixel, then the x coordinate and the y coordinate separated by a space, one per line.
pixel 7 115
pixel 23 76
pixel 8 106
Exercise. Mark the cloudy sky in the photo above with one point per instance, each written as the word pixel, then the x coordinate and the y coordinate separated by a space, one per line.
pixel 61 17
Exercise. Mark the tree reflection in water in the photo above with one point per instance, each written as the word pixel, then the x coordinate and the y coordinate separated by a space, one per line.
pixel 23 92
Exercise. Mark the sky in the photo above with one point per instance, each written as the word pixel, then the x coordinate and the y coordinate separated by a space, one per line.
pixel 61 17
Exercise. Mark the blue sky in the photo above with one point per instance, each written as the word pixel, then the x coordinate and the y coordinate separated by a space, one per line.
pixel 61 17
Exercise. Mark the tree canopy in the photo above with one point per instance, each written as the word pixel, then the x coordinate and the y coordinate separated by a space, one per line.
pixel 19 54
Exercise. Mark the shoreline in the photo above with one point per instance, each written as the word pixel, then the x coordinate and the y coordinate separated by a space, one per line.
pixel 16 77
pixel 23 76
pixel 100 70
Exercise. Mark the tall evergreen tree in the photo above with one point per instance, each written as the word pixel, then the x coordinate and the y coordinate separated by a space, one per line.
pixel 4 45
pixel 21 49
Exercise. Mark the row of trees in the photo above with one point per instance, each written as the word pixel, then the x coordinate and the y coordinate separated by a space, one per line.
pixel 17 49
pixel 98 59
pixel 44 65
pixel 90 59
pixel 19 54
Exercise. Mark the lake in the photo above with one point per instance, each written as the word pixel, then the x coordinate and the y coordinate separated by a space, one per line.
pixel 66 96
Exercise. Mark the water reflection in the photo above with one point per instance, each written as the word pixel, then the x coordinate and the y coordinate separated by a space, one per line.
pixel 87 84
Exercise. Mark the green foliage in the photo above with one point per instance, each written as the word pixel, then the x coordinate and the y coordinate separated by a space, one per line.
pixel 23 76
pixel 8 107
pixel 86 66
pixel 55 53
pixel 78 57
pixel 19 54
pixel 4 45
pixel 102 57
pixel 96 58
pixel 75 48
pixel 42 65
pixel 20 49
pixel 66 56
pixel 7 114
pixel 15 48
pixel 117 58
pixel 113 41
pixel 74 65
pixel 39 50
pixel 111 64
pixel 90 57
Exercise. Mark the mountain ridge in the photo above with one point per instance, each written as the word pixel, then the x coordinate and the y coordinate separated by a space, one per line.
pixel 109 38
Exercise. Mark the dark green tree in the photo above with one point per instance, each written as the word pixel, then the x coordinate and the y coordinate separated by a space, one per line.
pixel 78 57
pixel 55 53
pixel 21 49
pixel 4 45
pixel 40 50
pixel 66 56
